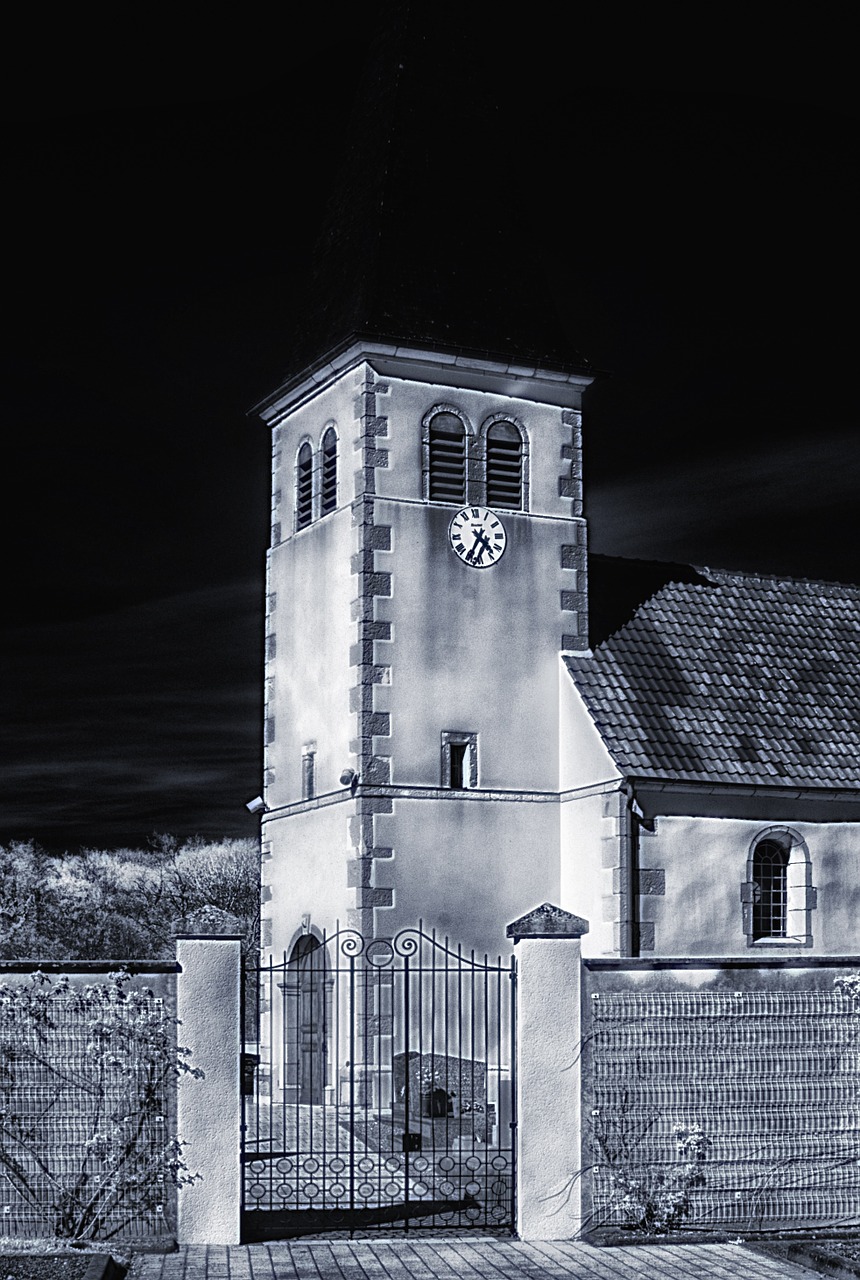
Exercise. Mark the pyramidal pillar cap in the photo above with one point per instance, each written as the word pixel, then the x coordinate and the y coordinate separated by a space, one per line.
pixel 547 921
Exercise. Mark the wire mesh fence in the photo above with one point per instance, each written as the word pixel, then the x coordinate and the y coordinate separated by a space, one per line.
pixel 767 1082
pixel 87 1144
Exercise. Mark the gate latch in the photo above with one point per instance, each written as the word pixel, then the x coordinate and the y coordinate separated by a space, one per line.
pixel 411 1141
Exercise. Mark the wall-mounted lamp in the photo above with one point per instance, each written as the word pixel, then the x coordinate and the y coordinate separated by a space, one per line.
pixel 349 778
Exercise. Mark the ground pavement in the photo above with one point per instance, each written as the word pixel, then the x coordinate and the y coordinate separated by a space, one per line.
pixel 456 1258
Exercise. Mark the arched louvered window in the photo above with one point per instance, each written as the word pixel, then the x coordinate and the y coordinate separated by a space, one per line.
pixel 304 486
pixel 770 890
pixel 328 493
pixel 447 459
pixel 504 466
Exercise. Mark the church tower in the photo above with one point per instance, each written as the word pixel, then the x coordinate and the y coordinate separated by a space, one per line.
pixel 428 555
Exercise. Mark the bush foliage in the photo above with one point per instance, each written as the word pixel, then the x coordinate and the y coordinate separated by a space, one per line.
pixel 122 904
pixel 85 1079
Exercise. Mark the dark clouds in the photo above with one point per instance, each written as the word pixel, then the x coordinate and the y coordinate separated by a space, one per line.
pixel 697 225
pixel 139 721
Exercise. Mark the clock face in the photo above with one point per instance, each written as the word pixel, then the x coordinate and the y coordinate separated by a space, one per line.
pixel 478 537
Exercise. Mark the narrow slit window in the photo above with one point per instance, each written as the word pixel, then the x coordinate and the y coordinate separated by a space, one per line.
pixel 504 466
pixel 308 776
pixel 328 497
pixel 304 487
pixel 770 891
pixel 447 459
pixel 459 760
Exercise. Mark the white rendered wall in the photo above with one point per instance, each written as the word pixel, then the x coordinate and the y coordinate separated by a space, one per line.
pixel 590 838
pixel 209 1111
pixel 467 650
pixel 705 862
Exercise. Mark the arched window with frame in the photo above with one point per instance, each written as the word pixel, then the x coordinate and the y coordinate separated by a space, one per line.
pixel 304 486
pixel 446 458
pixel 328 490
pixel 504 463
pixel 770 890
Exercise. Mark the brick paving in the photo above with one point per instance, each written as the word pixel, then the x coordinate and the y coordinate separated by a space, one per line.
pixel 457 1258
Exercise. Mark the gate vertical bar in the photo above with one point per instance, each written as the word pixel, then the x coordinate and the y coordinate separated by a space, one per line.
pixel 408 1091
pixel 351 1089
pixel 323 1064
pixel 514 1111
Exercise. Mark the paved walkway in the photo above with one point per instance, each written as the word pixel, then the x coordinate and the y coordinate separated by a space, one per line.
pixel 460 1259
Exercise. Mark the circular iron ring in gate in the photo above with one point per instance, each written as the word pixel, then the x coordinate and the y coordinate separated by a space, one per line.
pixel 379 953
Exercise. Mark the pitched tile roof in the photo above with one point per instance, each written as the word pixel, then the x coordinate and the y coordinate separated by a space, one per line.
pixel 733 678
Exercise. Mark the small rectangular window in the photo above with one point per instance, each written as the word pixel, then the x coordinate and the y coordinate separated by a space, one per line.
pixel 459 760
pixel 308 778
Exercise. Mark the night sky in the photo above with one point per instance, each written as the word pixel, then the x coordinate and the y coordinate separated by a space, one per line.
pixel 696 231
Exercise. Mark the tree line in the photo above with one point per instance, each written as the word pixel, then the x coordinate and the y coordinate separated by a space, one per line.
pixel 124 904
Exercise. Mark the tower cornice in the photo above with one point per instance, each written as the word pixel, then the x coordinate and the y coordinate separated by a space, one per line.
pixel 542 385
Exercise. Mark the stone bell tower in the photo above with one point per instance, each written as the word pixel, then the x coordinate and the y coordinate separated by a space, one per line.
pixel 427 561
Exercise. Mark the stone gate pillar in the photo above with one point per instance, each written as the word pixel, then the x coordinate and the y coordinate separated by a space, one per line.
pixel 548 1077
pixel 209 1110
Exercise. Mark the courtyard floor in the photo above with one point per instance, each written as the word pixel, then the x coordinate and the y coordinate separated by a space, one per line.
pixel 461 1259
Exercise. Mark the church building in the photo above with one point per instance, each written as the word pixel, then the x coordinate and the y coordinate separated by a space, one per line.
pixel 446 741
pixel 466 715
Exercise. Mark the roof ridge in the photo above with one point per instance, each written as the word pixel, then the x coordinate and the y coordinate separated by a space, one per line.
pixel 757 575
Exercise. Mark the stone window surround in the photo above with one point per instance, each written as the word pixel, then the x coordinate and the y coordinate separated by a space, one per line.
pixel 476 454
pixel 802 896
pixel 460 738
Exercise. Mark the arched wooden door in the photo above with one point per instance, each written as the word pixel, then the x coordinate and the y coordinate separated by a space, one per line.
pixel 311 1030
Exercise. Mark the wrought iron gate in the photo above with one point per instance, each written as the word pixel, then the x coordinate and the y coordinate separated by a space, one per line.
pixel 379 1089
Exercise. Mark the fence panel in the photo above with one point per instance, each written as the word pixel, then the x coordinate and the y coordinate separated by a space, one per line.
pixel 86 1118
pixel 714 1107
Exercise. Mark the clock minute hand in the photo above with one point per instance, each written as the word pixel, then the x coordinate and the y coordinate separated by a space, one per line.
pixel 479 546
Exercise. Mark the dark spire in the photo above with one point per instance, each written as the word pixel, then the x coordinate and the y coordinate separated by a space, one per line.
pixel 431 236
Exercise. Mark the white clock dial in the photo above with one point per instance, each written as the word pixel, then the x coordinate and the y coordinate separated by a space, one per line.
pixel 478 536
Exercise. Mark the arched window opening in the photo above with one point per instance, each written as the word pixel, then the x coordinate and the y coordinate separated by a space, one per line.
pixel 504 466
pixel 328 496
pixel 770 890
pixel 447 460
pixel 304 486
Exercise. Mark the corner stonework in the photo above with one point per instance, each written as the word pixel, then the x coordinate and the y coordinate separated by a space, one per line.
pixel 372 642
pixel 573 592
